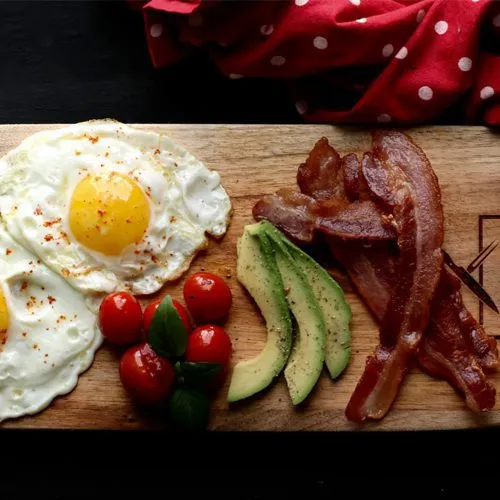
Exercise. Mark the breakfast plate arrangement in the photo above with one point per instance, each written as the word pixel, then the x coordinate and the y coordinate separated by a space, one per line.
pixel 248 277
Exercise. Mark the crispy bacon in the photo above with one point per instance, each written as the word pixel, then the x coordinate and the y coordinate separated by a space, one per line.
pixel 355 187
pixel 402 178
pixel 290 211
pixel 446 350
pixel 462 370
pixel 481 345
pixel 321 175
pixel 351 169
pixel 372 269
pixel 299 216
pixel 402 186
pixel 452 327
pixel 386 185
pixel 454 347
pixel 361 219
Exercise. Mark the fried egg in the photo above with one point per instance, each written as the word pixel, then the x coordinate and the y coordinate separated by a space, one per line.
pixel 48 337
pixel 110 207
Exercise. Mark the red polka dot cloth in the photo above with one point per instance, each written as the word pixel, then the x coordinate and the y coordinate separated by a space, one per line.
pixel 358 61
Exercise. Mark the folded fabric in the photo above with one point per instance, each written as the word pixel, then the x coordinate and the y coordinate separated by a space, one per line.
pixel 357 61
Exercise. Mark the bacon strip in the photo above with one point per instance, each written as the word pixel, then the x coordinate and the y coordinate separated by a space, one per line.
pixel 351 168
pixel 359 220
pixel 402 177
pixel 459 331
pixel 477 341
pixel 299 216
pixel 321 175
pixel 446 351
pixel 481 345
pixel 290 211
pixel 374 269
pixel 454 347
pixel 462 370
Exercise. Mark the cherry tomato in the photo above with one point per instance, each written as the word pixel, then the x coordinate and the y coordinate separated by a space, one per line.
pixel 211 344
pixel 120 318
pixel 147 377
pixel 208 297
pixel 151 308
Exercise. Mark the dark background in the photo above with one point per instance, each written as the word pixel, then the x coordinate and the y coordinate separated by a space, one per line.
pixel 69 61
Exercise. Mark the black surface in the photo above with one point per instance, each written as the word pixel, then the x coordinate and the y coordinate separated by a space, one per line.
pixel 71 61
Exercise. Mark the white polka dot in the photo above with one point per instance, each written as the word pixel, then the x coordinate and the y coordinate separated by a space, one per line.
pixel 235 76
pixel 496 21
pixel 465 63
pixel 361 20
pixel 402 53
pixel 156 30
pixel 266 29
pixel 441 27
pixel 486 92
pixel 475 1
pixel 384 118
pixel 195 20
pixel 420 15
pixel 425 93
pixel 278 60
pixel 387 50
pixel 301 107
pixel 300 3
pixel 355 2
pixel 320 42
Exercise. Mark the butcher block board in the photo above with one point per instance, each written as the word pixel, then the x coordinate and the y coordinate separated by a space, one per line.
pixel 255 160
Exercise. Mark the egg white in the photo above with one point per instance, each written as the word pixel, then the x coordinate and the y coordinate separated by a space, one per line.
pixel 187 202
pixel 52 336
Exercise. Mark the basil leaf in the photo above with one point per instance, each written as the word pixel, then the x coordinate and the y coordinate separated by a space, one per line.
pixel 197 374
pixel 189 409
pixel 167 334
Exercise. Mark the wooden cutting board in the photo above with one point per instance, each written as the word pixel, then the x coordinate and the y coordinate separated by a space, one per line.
pixel 254 160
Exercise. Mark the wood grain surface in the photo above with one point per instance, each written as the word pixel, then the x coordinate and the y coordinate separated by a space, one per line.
pixel 254 160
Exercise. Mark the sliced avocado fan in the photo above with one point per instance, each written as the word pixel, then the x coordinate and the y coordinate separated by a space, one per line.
pixel 330 296
pixel 287 284
pixel 308 352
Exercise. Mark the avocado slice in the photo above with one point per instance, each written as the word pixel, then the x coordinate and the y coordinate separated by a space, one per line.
pixel 258 273
pixel 308 352
pixel 336 310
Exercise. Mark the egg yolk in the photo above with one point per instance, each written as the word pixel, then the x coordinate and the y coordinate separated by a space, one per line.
pixel 108 213
pixel 4 319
